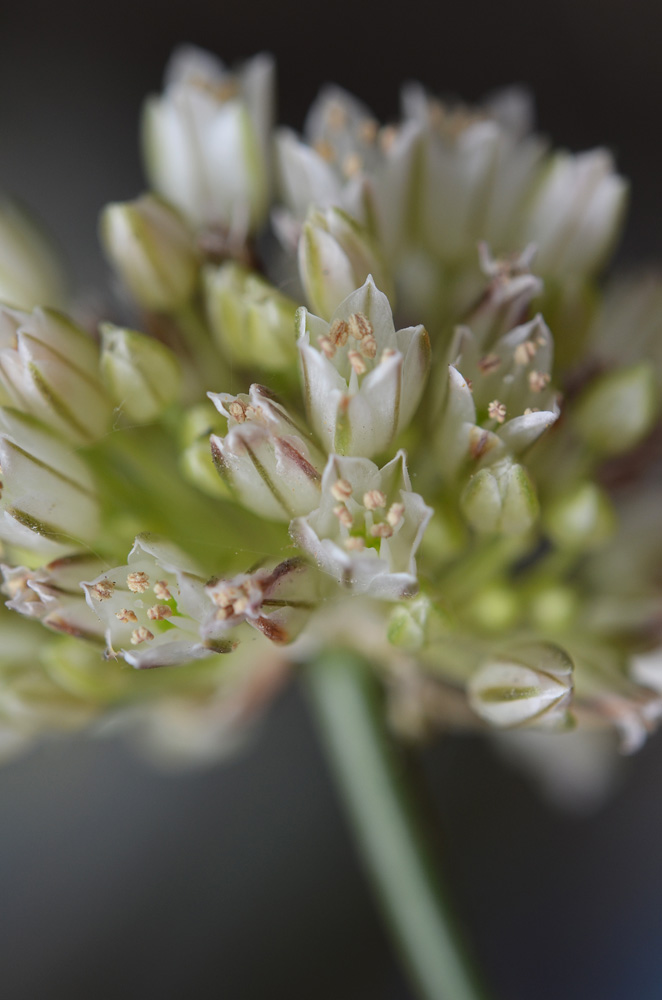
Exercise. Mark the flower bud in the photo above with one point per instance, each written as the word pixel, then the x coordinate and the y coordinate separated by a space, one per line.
pixel 362 379
pixel 50 368
pixel 618 409
pixel 48 501
pixel 580 519
pixel 336 255
pixel 206 140
pixel 530 686
pixel 412 624
pixel 576 214
pixel 30 269
pixel 53 594
pixel 152 250
pixel 265 458
pixel 252 321
pixel 142 375
pixel 500 499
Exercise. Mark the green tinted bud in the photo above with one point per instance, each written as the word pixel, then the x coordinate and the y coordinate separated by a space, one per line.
pixel 618 409
pixel 30 270
pixel 500 499
pixel 412 624
pixel 580 519
pixel 529 685
pixel 142 375
pixel 553 607
pixel 494 608
pixel 153 251
pixel 336 255
pixel 252 321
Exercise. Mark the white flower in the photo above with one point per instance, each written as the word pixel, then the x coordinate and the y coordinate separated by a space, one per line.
pixel 153 607
pixel 530 686
pixel 30 270
pixel 206 141
pixel 48 499
pixel 53 594
pixel 266 459
pixel 276 600
pixel 50 369
pixel 362 380
pixel 575 214
pixel 368 526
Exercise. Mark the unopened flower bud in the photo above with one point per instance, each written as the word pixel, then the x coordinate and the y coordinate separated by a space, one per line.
pixel 142 375
pixel 618 409
pixel 30 270
pixel 530 686
pixel 252 320
pixel 48 501
pixel 500 499
pixel 413 623
pixel 336 255
pixel 580 519
pixel 152 249
pixel 50 368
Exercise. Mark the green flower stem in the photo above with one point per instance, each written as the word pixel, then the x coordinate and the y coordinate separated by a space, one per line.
pixel 366 765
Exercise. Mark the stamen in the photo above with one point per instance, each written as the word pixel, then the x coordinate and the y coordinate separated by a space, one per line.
pixel 357 362
pixel 374 499
pixel 354 544
pixel 137 582
pixel 359 326
pixel 531 409
pixel 343 515
pixel 395 514
pixel 103 589
pixel 368 347
pixel 158 612
pixel 341 490
pixel 387 136
pixel 382 530
pixel 538 381
pixel 327 347
pixel 496 411
pixel 524 352
pixel 126 615
pixel 141 634
pixel 352 164
pixel 325 150
pixel 161 590
pixel 387 354
pixel 240 605
pixel 339 332
pixel 237 410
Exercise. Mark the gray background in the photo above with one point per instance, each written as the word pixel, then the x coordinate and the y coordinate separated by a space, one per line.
pixel 241 881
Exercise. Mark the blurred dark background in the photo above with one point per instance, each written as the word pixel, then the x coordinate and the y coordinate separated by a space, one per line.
pixel 241 881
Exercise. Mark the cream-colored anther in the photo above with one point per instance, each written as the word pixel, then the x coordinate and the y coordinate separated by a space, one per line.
pixel 387 354
pixel 538 381
pixel 325 150
pixel 357 362
pixel 161 590
pixel 137 582
pixel 126 615
pixel 240 605
pixel 158 612
pixel 382 530
pixel 327 346
pixel 103 589
pixel 374 499
pixel 368 347
pixel 339 332
pixel 341 490
pixel 496 411
pixel 368 130
pixel 525 352
pixel 352 165
pixel 359 326
pixel 237 411
pixel 387 136
pixel 531 409
pixel 395 514
pixel 354 544
pixel 141 634
pixel 343 515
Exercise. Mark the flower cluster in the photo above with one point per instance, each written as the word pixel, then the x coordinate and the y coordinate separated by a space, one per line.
pixel 427 446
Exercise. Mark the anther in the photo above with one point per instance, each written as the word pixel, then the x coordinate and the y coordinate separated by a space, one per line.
pixel 368 347
pixel 126 615
pixel 161 590
pixel 339 332
pixel 490 363
pixel 158 612
pixel 496 411
pixel 395 514
pixel 352 164
pixel 359 326
pixel 137 582
pixel 357 362
pixel 524 352
pixel 387 354
pixel 341 490
pixel 538 381
pixel 354 544
pixel 237 411
pixel 343 515
pixel 382 530
pixel 141 634
pixel 325 150
pixel 374 499
pixel 327 347
pixel 103 589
